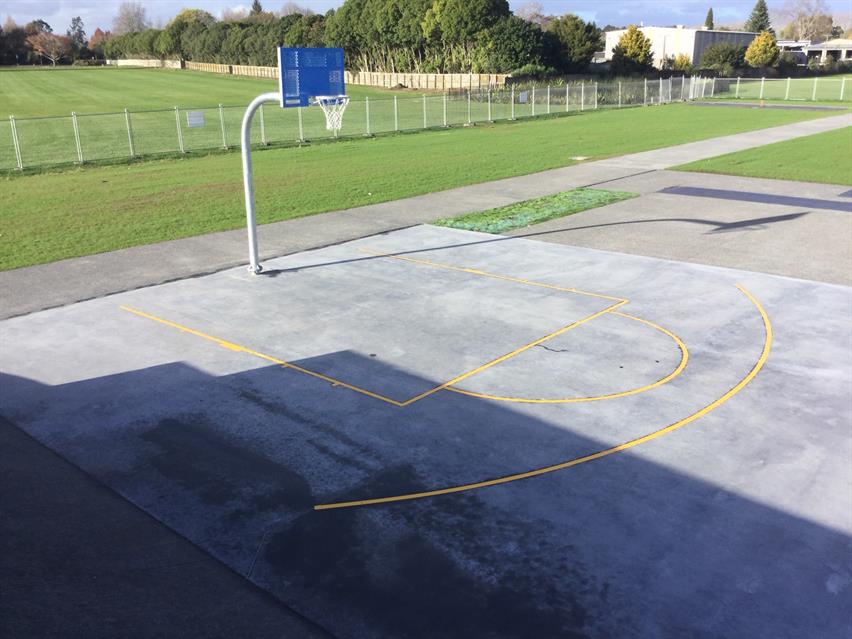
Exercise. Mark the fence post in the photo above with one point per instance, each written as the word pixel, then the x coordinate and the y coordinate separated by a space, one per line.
pixel 222 122
pixel 129 133
pixel 468 106
pixel 548 99
pixel 179 132
pixel 596 95
pixel 660 90
pixel 842 88
pixel 567 95
pixel 395 114
pixel 737 92
pixel 582 96
pixel 682 86
pixel 445 110
pixel 77 137
pixel 713 88
pixel 533 100
pixel 619 94
pixel 813 95
pixel 262 127
pixel 16 143
pixel 367 109
pixel 762 83
pixel 424 111
pixel 489 106
pixel 301 125
pixel 513 102
pixel 787 92
pixel 645 97
pixel 670 90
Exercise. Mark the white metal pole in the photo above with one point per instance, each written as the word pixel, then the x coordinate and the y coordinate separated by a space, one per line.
pixel 445 110
pixel 682 86
pixel 533 100
pixel 424 111
pixel 567 95
pixel 489 105
pixel 77 137
pixel 660 96
pixel 596 95
pixel 842 88
pixel 129 133
pixel 787 92
pixel 762 84
pixel 179 132
pixel 645 97
pixel 582 96
pixel 395 115
pixel 222 122
pixel 713 88
pixel 16 142
pixel 262 127
pixel 619 94
pixel 367 109
pixel 468 107
pixel 245 150
pixel 813 96
pixel 548 99
pixel 737 92
pixel 301 125
pixel 512 97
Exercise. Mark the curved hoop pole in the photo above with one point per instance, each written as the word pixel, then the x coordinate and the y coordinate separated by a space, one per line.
pixel 245 147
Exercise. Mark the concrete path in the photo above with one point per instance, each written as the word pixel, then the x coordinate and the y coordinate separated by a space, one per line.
pixel 30 289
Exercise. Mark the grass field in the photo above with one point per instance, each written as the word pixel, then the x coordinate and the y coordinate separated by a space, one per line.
pixel 833 88
pixel 535 211
pixel 824 157
pixel 51 216
pixel 28 92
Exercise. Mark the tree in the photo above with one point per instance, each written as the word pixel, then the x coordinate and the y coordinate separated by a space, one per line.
pixel 38 26
pixel 633 52
pixel 759 21
pixel 131 18
pixel 256 8
pixel 723 56
pixel 96 42
pixel 508 45
pixel 574 41
pixel 77 35
pixel 808 20
pixel 532 12
pixel 762 51
pixel 708 21
pixel 50 46
pixel 291 8
pixel 682 63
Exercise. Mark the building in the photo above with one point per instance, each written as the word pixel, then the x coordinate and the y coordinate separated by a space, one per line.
pixel 796 48
pixel 838 50
pixel 669 42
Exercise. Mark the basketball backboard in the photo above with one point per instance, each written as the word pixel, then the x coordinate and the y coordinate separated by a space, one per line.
pixel 308 72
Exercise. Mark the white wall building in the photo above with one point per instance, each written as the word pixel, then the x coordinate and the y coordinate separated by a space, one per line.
pixel 669 42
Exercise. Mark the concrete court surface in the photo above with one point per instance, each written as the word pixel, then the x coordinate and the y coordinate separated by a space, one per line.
pixel 688 444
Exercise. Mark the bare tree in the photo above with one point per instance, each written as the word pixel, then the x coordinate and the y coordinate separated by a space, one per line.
pixel 131 18
pixel 292 8
pixel 532 12
pixel 233 15
pixel 50 46
pixel 808 19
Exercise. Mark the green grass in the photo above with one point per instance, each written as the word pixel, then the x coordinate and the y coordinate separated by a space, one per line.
pixel 828 89
pixel 535 211
pixel 823 157
pixel 50 216
pixel 30 92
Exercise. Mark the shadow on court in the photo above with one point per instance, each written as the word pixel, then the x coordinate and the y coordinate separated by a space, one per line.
pixel 617 547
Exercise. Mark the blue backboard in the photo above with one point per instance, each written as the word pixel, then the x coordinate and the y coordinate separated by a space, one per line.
pixel 309 72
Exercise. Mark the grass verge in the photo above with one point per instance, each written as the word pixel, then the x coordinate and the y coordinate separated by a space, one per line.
pixel 823 157
pixel 535 211
pixel 51 216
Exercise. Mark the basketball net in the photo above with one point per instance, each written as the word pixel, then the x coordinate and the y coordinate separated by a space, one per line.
pixel 333 106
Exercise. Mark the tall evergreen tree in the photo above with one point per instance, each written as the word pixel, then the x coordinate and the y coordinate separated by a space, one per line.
pixel 256 8
pixel 708 21
pixel 759 21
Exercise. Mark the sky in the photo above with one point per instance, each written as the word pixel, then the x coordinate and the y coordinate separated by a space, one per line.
pixel 100 13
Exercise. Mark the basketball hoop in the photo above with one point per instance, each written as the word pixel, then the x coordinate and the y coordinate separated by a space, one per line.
pixel 333 106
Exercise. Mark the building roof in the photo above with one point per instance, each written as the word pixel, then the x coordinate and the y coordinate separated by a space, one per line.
pixel 837 43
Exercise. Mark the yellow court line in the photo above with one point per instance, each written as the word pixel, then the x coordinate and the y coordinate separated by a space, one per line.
pixel 767 345
pixel 684 357
pixel 475 271
pixel 243 349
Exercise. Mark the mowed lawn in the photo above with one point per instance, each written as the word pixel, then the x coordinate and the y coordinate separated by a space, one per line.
pixel 46 217
pixel 823 157
pixel 28 92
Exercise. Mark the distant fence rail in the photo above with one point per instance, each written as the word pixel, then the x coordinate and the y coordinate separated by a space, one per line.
pixel 79 138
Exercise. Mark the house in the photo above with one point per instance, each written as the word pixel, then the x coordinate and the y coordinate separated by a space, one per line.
pixel 839 50
pixel 669 42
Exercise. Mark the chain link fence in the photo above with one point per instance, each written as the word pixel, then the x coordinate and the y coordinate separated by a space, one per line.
pixel 80 138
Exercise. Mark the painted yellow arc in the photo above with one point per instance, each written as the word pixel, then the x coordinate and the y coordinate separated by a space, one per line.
pixel 767 345
pixel 684 358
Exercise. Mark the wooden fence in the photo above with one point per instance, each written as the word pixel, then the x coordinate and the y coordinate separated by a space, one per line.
pixel 429 81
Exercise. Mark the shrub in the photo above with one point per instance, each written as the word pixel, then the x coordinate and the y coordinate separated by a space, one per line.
pixel 762 51
pixel 633 52
pixel 682 63
pixel 723 56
